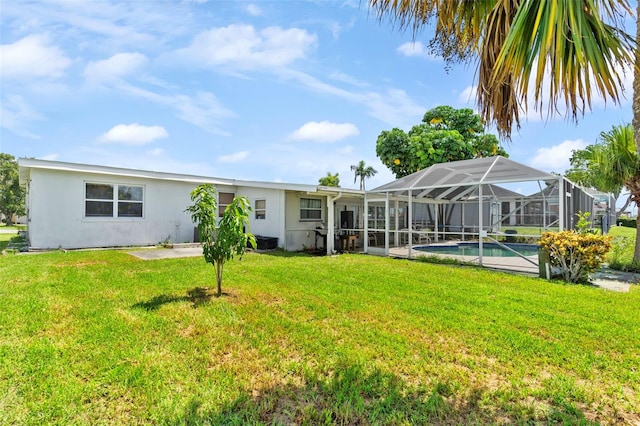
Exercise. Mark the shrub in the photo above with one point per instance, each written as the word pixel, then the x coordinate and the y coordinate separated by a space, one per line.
pixel 575 254
pixel 629 223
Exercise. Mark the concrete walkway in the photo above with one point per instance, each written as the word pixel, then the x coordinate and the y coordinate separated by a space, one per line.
pixel 615 280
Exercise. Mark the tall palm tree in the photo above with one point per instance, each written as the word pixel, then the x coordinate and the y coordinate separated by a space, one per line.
pixel 579 45
pixel 619 163
pixel 362 171
pixel 636 85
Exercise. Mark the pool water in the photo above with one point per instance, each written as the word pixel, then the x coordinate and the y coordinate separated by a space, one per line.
pixel 488 249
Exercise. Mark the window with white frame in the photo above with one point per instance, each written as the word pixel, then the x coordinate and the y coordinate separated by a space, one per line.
pixel 260 208
pixel 224 199
pixel 310 209
pixel 113 200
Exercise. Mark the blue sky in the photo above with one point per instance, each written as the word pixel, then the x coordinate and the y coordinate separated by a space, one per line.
pixel 263 90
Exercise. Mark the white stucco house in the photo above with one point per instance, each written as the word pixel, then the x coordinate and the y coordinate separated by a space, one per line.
pixel 72 205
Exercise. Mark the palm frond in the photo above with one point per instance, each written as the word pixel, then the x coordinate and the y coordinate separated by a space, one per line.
pixel 565 43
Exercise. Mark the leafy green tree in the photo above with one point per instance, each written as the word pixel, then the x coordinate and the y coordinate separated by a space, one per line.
pixel 12 195
pixel 580 46
pixel 362 171
pixel 619 162
pixel 586 170
pixel 221 241
pixel 330 180
pixel 446 134
pixel 611 164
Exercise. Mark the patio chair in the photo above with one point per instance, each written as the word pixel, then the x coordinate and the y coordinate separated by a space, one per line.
pixel 372 237
pixel 421 237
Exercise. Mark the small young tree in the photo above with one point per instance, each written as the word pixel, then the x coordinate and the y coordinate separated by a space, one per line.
pixel 221 241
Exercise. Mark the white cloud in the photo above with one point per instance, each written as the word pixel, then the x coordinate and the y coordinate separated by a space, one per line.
pixel 233 158
pixel 324 131
pixel 254 10
pixel 203 110
pixel 556 158
pixel 117 66
pixel 416 49
pixel 50 157
pixel 16 115
pixel 392 106
pixel 133 134
pixel 338 28
pixel 345 150
pixel 32 56
pixel 346 78
pixel 243 47
pixel 468 95
pixel 155 152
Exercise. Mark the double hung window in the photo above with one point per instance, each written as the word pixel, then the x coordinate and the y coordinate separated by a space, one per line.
pixel 224 199
pixel 310 209
pixel 111 200
pixel 260 209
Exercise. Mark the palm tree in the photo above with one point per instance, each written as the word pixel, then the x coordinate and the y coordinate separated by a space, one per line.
pixel 362 171
pixel 578 44
pixel 618 163
pixel 330 180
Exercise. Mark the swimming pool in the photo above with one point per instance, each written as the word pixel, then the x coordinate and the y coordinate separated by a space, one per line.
pixel 488 249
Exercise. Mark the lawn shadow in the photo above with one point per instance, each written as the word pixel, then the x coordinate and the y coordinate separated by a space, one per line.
pixel 283 253
pixel 197 296
pixel 352 396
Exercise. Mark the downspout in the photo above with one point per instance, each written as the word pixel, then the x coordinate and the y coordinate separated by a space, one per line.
pixel 331 219
pixel 366 224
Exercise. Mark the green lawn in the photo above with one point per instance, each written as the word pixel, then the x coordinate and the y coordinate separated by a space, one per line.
pixel 5 238
pixel 104 338
pixel 624 240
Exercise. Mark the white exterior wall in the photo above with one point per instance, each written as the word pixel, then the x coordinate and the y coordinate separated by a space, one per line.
pixel 273 223
pixel 57 217
pixel 300 234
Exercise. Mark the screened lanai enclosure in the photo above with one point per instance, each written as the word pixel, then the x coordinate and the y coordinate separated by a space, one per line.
pixel 478 204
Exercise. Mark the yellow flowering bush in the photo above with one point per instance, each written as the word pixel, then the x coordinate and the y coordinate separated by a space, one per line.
pixel 576 254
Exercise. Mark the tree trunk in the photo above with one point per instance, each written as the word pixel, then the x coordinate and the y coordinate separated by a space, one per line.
pixel 623 208
pixel 636 123
pixel 219 268
pixel 636 251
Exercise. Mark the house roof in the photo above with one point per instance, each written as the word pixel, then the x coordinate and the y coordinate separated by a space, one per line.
pixel 455 180
pixel 25 164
